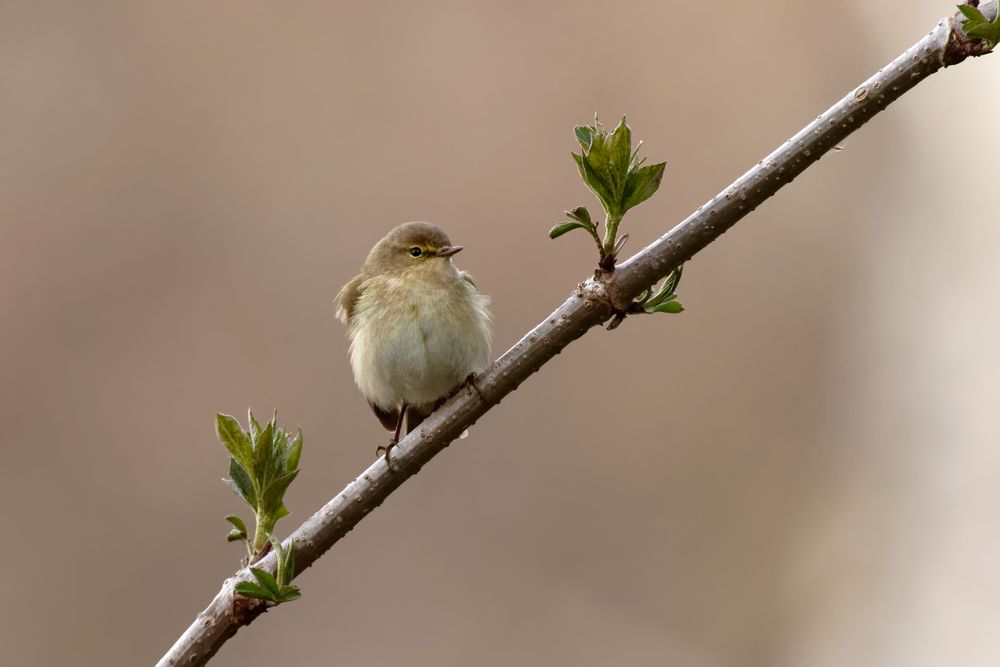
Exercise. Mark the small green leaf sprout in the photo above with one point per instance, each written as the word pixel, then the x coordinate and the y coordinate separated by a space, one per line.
pixel 274 590
pixel 616 175
pixel 263 462
pixel 239 532
pixel 656 299
pixel 663 299
pixel 978 26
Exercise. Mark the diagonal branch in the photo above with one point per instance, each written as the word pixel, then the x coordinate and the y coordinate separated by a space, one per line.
pixel 592 303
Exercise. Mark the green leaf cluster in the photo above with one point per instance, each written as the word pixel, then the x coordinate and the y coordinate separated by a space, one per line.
pixel 977 25
pixel 579 219
pixel 274 589
pixel 239 531
pixel 663 299
pixel 263 463
pixel 617 176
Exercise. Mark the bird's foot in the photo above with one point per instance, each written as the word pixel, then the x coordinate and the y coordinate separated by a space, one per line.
pixel 386 450
pixel 473 387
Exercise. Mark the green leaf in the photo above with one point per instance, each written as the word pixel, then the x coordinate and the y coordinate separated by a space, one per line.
pixel 988 32
pixel 263 459
pixel 635 161
pixel 239 481
pixel 619 148
pixel 614 172
pixel 286 561
pixel 294 452
pixel 252 590
pixel 279 553
pixel 267 580
pixel 596 183
pixel 237 522
pixel 608 159
pixel 271 517
pixel 564 227
pixel 279 451
pixel 289 593
pixel 235 535
pixel 280 512
pixel 234 438
pixel 666 291
pixel 642 184
pixel 976 25
pixel 274 492
pixel 673 279
pixel 236 489
pixel 972 13
pixel 268 518
pixel 580 214
pixel 253 426
pixel 668 307
pixel 659 298
pixel 608 175
pixel 287 570
pixel 267 587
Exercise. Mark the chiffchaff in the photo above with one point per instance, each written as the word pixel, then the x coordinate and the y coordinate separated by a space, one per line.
pixel 418 325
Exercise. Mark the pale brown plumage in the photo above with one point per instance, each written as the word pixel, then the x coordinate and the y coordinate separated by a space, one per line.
pixel 418 325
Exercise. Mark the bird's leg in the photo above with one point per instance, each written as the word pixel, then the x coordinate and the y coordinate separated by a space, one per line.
pixel 395 437
pixel 470 381
pixel 399 426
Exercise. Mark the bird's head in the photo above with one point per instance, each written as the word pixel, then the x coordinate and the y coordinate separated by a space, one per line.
pixel 410 245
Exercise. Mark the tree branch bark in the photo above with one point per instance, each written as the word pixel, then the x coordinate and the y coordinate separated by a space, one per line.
pixel 593 302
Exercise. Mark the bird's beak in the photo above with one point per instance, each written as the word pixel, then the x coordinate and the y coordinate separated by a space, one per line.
pixel 448 250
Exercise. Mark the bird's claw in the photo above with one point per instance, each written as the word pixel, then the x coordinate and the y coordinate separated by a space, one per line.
pixel 386 450
pixel 470 383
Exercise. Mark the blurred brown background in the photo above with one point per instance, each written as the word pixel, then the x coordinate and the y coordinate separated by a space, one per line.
pixel 802 469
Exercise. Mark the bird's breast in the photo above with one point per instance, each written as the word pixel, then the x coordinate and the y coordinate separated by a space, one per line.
pixel 414 342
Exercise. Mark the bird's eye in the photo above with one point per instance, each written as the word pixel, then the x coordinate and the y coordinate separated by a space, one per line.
pixel 416 252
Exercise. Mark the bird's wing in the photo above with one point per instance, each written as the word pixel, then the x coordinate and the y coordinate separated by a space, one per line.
pixel 387 417
pixel 347 299
pixel 467 278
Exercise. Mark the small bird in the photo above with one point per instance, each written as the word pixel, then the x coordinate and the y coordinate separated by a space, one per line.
pixel 418 325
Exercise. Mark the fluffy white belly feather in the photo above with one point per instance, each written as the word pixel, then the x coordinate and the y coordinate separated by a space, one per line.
pixel 409 349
